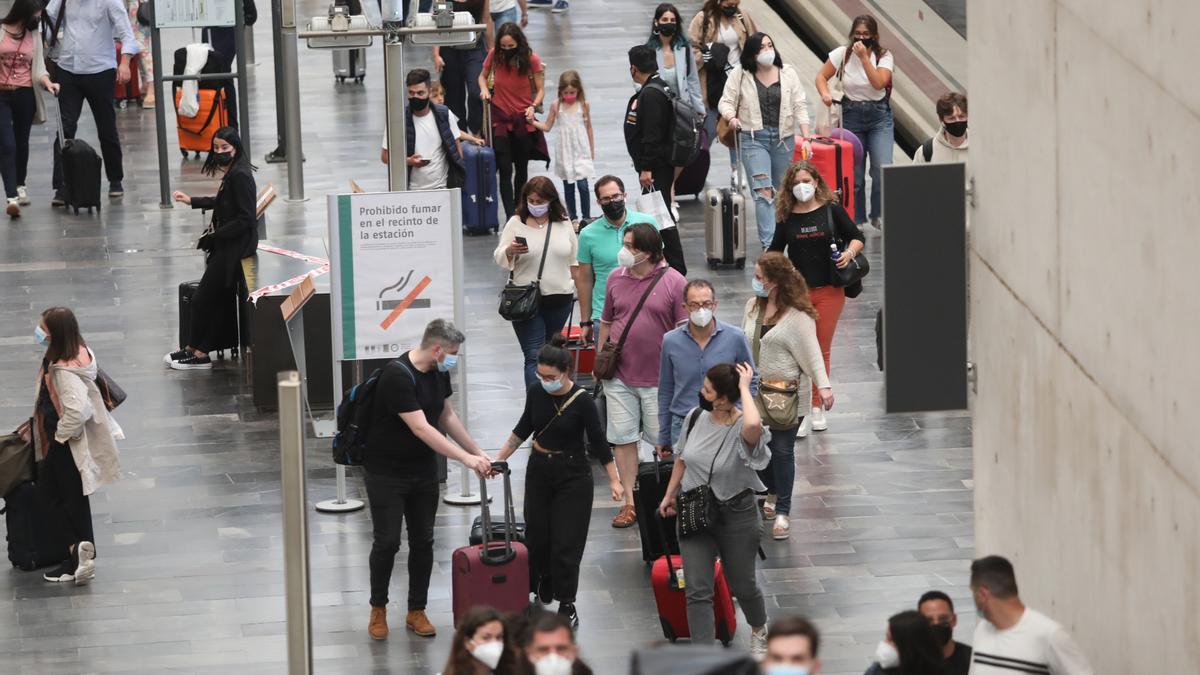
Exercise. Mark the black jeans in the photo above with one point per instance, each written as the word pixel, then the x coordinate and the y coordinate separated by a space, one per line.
pixel 460 77
pixel 558 509
pixel 61 489
pixel 663 178
pixel 17 109
pixel 512 163
pixel 97 90
pixel 395 499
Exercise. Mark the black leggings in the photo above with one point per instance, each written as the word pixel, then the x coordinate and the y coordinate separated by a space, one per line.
pixel 60 489
pixel 558 509
pixel 17 110
pixel 512 163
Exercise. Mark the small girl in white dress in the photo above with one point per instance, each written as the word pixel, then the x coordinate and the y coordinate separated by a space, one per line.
pixel 575 145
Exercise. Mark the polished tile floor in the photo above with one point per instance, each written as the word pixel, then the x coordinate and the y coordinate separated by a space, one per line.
pixel 190 568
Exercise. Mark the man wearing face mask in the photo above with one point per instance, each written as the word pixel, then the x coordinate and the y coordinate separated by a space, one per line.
pixel 411 422
pixel 434 162
pixel 792 647
pixel 687 354
pixel 939 609
pixel 950 144
pixel 549 645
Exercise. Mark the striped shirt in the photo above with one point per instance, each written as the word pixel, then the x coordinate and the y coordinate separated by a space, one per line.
pixel 1036 644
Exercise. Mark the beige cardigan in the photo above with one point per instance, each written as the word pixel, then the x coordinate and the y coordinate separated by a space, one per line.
pixel 743 25
pixel 85 425
pixel 789 350
pixel 793 103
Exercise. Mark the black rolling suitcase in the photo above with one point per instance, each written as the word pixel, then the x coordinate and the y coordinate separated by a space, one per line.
pixel 652 479
pixel 80 166
pixel 32 541
pixel 498 529
pixel 231 334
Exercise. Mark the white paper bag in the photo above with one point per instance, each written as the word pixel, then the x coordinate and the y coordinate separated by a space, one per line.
pixel 654 205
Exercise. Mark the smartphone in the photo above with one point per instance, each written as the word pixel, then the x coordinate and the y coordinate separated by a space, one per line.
pixel 521 241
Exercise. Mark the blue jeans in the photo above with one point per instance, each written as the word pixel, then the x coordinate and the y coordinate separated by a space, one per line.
pixel 533 334
pixel 676 428
pixel 585 202
pixel 510 15
pixel 710 126
pixel 780 474
pixel 766 159
pixel 872 122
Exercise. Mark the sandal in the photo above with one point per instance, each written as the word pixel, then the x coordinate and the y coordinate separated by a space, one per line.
pixel 626 517
pixel 768 508
pixel 782 527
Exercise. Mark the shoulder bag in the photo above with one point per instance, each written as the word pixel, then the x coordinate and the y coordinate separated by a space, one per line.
pixel 698 507
pixel 778 402
pixel 110 391
pixel 521 302
pixel 725 132
pixel 849 277
pixel 54 42
pixel 605 366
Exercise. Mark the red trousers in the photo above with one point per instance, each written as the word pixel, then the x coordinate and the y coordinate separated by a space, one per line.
pixel 829 301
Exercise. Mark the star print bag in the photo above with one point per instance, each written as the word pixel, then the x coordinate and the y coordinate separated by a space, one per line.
pixel 778 402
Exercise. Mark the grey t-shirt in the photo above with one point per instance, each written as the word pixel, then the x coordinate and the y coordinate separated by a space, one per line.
pixel 736 465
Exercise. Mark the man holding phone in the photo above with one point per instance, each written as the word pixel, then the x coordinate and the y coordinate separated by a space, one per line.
pixel 434 162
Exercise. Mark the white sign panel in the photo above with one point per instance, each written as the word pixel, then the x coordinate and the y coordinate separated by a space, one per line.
pixel 393 256
pixel 194 13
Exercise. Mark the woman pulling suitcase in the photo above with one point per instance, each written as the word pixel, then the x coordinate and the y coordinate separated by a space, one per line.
pixel 232 236
pixel 558 479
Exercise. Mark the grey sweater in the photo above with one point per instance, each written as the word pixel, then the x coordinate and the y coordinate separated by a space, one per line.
pixel 789 349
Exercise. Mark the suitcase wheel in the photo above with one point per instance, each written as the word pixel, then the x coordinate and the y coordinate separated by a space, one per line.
pixel 76 210
pixel 341 80
pixel 713 263
pixel 668 632
pixel 183 152
pixel 740 264
pixel 361 78
pixel 123 104
pixel 723 634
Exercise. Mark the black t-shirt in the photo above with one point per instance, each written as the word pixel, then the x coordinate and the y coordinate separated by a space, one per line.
pixel 392 448
pixel 959 662
pixel 806 238
pixel 567 432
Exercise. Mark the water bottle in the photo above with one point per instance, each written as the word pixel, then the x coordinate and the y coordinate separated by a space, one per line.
pixel 833 253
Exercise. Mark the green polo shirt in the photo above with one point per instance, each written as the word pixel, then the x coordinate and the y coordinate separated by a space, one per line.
pixel 599 244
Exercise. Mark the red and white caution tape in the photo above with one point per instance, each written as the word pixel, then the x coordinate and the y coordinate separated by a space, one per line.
pixel 294 281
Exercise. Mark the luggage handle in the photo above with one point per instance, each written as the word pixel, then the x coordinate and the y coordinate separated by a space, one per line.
pixel 672 579
pixel 508 552
pixel 487 122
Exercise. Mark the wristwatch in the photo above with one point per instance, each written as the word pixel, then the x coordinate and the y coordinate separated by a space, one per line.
pixel 585 323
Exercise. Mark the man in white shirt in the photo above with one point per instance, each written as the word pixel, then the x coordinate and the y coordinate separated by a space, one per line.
pixel 1013 638
pixel 434 161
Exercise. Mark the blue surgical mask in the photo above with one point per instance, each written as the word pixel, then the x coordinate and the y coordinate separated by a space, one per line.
pixel 447 363
pixel 551 387
pixel 759 290
pixel 785 669
pixel 40 337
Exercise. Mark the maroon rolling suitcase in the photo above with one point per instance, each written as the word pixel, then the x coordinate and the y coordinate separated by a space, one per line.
pixel 494 573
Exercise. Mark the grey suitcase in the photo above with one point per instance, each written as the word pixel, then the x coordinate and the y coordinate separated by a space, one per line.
pixel 725 228
pixel 350 64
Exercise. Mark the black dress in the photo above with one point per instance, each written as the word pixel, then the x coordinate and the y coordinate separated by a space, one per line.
pixel 234 237
pixel 59 488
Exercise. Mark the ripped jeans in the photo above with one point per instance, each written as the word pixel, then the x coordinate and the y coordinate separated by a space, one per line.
pixel 765 159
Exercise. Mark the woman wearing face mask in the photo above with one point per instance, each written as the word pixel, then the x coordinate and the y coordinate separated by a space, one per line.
pixel 765 102
pixel 805 211
pixel 74 439
pixel 481 646
pixel 909 648
pixel 539 245
pixel 676 66
pixel 865 70
pixel 559 414
pixel 514 81
pixel 723 446
pixel 22 72
pixel 781 323
pixel 232 236
pixel 718 32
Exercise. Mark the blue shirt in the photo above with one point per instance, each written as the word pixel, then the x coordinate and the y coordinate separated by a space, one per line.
pixel 88 29
pixel 683 365
pixel 599 244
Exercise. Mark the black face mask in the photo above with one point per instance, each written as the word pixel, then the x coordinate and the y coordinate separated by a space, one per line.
pixel 956 129
pixel 868 43
pixel 614 210
pixel 418 104
pixel 667 29
pixel 943 632
pixel 223 158
pixel 729 10
pixel 705 404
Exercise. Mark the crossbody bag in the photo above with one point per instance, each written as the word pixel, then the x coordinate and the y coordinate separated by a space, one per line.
pixel 522 302
pixel 605 366
pixel 778 403
pixel 698 506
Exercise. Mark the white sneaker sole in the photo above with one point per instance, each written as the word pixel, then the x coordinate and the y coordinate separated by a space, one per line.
pixel 86 571
pixel 804 429
pixel 175 365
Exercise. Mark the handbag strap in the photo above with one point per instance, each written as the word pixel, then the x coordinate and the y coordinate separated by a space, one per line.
pixel 833 236
pixel 638 310
pixel 713 466
pixel 757 338
pixel 558 413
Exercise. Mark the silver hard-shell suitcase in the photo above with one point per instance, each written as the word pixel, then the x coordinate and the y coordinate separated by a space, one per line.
pixel 350 64
pixel 725 223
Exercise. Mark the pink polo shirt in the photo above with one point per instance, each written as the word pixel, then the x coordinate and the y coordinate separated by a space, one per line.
pixel 663 311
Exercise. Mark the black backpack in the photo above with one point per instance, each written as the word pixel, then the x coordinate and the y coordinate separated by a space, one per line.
pixel 685 134
pixel 927 150
pixel 354 417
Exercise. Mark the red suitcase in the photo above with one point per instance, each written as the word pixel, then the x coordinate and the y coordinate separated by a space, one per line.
pixel 671 600
pixel 494 573
pixel 131 90
pixel 834 158
pixel 583 352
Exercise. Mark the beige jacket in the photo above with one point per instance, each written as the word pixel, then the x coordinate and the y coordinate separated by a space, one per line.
pixel 793 103
pixel 85 425
pixel 790 350
pixel 699 34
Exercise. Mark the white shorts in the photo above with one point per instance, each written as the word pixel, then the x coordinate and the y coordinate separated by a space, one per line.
pixel 632 412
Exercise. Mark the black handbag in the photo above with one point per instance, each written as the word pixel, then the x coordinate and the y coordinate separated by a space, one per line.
pixel 110 391
pixel 851 276
pixel 522 302
pixel 698 506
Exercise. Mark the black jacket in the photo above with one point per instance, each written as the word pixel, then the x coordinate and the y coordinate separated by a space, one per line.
pixel 648 120
pixel 235 233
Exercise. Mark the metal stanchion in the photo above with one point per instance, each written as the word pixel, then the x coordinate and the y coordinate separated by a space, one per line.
pixel 295 524
pixel 340 504
pixel 291 80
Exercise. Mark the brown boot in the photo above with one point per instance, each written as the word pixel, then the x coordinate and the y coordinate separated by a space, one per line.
pixel 417 622
pixel 377 628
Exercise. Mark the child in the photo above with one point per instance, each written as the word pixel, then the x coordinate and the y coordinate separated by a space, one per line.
pixel 575 147
pixel 437 94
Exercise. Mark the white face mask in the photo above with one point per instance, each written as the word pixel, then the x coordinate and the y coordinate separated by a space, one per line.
pixel 538 210
pixel 553 664
pixel 488 653
pixel 886 655
pixel 804 191
pixel 766 57
pixel 701 317
pixel 626 258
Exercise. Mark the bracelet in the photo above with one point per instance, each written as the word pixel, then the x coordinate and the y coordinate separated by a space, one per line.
pixel 586 323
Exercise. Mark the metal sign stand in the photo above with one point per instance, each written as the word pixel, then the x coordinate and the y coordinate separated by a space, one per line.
pixel 297 589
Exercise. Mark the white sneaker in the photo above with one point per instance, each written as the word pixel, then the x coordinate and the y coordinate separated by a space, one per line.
pixel 22 196
pixel 818 419
pixel 758 643
pixel 12 209
pixel 675 211
pixel 805 428
pixel 782 528
pixel 86 569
